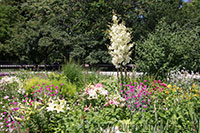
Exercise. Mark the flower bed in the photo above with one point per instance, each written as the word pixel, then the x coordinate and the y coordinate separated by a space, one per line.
pixel 51 103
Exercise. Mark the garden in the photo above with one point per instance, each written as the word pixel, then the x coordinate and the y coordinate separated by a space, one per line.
pixel 152 45
pixel 75 100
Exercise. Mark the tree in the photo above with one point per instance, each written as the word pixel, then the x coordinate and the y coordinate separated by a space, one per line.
pixel 168 48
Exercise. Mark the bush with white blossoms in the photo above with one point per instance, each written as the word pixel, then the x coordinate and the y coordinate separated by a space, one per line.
pixel 120 38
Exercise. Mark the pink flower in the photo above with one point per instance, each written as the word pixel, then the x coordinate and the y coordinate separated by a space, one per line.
pixel 7 121
pixel 16 109
pixel 122 105
pixel 86 65
pixel 13 121
pixel 145 80
pixel 144 106
pixel 6 97
pixel 87 108
pixel 127 92
pixel 129 106
pixel 56 87
pixel 115 102
pixel 159 81
pixel 43 83
pixel 110 102
pixel 62 84
pixel 136 102
pixel 4 113
pixel 98 85
pixel 106 104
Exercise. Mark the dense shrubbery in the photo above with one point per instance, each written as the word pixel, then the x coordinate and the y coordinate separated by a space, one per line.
pixel 168 48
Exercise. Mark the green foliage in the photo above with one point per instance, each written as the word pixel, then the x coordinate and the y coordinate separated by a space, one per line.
pixel 50 31
pixel 168 48
pixel 74 73
pixel 68 89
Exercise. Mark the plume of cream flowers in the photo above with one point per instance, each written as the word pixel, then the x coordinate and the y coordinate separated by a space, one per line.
pixel 120 48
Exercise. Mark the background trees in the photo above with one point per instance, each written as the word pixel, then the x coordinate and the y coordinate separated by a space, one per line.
pixel 44 32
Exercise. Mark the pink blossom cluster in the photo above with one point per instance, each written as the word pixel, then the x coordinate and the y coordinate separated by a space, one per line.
pixel 158 86
pixel 136 96
pixel 94 90
pixel 8 122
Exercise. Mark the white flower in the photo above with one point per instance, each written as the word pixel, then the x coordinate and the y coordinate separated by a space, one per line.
pixel 62 102
pixel 92 94
pixel 59 108
pixel 51 107
pixel 120 46
pixel 104 92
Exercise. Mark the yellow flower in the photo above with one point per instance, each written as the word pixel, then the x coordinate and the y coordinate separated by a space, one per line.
pixel 174 89
pixel 167 98
pixel 179 88
pixel 195 95
pixel 174 86
pixel 169 86
pixel 193 85
pixel 167 92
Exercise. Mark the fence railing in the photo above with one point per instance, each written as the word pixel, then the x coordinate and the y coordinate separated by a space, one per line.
pixel 31 67
pixel 58 67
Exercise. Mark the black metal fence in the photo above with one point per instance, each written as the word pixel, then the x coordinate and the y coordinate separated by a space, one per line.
pixel 31 67
pixel 58 67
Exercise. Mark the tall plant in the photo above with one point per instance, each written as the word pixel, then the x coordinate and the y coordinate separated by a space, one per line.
pixel 120 48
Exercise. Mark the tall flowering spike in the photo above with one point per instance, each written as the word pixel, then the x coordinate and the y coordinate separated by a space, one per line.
pixel 120 47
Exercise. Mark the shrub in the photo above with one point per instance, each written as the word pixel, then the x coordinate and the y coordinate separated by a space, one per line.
pixel 68 89
pixel 73 73
pixel 168 48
